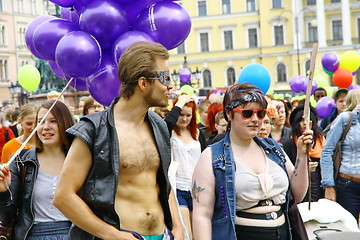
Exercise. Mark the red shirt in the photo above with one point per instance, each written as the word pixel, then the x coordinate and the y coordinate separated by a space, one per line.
pixel 2 137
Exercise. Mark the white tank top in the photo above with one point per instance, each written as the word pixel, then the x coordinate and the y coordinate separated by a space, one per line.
pixel 186 155
pixel 251 188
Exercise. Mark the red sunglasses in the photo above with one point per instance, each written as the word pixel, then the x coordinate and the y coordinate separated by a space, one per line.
pixel 248 113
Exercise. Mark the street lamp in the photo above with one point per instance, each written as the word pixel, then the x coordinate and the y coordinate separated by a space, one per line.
pixel 16 89
pixel 196 75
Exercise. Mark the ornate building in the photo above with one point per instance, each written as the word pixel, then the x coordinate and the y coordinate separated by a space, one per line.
pixel 227 35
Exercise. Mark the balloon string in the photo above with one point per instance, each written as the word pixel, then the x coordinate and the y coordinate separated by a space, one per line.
pixel 38 125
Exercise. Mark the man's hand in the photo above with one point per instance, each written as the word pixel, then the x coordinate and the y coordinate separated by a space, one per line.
pixel 178 233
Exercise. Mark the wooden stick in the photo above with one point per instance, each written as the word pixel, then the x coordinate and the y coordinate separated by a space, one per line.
pixel 306 115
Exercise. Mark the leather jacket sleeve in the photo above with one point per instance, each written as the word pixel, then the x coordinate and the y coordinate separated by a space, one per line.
pixel 9 201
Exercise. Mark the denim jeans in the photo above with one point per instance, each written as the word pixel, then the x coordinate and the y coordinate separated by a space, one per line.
pixel 49 231
pixel 348 195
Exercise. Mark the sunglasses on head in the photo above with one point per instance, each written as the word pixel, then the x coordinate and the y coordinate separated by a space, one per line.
pixel 248 113
pixel 164 77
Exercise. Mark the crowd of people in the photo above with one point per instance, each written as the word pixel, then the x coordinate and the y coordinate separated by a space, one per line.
pixel 226 167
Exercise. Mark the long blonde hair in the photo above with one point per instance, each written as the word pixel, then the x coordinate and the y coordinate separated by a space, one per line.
pixel 352 99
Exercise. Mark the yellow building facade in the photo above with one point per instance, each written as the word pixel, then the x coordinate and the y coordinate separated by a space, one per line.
pixel 227 35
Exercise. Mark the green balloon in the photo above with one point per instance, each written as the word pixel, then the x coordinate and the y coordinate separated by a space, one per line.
pixel 328 72
pixel 187 89
pixel 29 77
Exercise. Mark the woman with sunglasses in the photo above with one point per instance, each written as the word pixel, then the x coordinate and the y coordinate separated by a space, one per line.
pixel 241 184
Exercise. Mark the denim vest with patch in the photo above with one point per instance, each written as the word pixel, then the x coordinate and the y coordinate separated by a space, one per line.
pixel 223 163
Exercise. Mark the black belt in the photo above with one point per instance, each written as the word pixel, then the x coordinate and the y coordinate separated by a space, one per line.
pixel 263 216
pixel 266 202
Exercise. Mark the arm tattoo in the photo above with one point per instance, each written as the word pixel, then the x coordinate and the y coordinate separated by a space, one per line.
pixel 296 166
pixel 196 191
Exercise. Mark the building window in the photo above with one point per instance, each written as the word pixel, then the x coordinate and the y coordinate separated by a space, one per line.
pixel 226 6
pixel 2 35
pixel 33 6
pixel 22 32
pixel 20 6
pixel 337 30
pixel 204 42
pixel 335 1
pixel 228 40
pixel 358 26
pixel 253 41
pixel 3 69
pixel 2 5
pixel 276 4
pixel 281 72
pixel 313 36
pixel 307 66
pixel 202 8
pixel 250 5
pixel 207 78
pixel 311 2
pixel 279 35
pixel 181 48
pixel 230 74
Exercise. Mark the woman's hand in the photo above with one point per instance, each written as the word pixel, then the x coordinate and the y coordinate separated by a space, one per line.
pixel 183 99
pixel 330 193
pixel 5 177
pixel 313 166
pixel 305 140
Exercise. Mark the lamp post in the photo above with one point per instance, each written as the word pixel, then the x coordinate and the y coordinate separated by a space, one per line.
pixel 21 94
pixel 196 75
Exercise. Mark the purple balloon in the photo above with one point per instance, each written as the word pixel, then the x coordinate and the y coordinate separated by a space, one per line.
pixel 64 3
pixel 297 83
pixel 127 39
pixel 65 13
pixel 330 62
pixel 166 22
pixel 313 87
pixel 56 70
pixel 133 10
pixel 71 15
pixel 78 83
pixel 78 54
pixel 48 34
pixel 104 84
pixel 355 72
pixel 30 33
pixel 185 75
pixel 105 20
pixel 324 106
pixel 353 87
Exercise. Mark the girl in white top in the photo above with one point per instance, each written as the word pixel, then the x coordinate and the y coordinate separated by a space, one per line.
pixel 186 150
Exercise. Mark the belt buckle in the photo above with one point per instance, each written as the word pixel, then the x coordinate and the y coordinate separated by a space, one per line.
pixel 268 202
pixel 272 215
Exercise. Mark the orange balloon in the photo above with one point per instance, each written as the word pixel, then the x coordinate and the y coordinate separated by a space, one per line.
pixel 342 78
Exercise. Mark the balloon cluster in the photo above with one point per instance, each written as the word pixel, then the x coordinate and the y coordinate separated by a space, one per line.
pixel 87 41
pixel 341 69
pixel 257 75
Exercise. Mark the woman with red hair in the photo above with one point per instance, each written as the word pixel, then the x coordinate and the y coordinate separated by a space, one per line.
pixel 185 151
pixel 213 109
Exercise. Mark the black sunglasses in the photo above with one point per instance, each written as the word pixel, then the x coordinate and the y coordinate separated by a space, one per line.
pixel 164 77
pixel 248 113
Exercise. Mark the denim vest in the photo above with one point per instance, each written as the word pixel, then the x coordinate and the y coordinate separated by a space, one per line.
pixel 223 220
